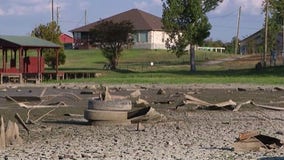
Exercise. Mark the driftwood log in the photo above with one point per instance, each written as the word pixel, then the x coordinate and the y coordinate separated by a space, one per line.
pixel 20 120
pixel 188 99
pixel 258 105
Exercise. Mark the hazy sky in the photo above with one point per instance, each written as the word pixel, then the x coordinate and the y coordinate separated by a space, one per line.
pixel 20 17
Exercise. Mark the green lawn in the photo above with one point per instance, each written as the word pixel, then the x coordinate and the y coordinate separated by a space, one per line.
pixel 134 67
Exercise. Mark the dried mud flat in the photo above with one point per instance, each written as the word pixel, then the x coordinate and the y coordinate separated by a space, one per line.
pixel 186 133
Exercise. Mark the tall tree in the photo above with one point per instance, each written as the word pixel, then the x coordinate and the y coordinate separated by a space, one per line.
pixel 186 23
pixel 112 38
pixel 51 32
pixel 276 20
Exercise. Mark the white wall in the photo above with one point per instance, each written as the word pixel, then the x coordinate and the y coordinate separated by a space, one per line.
pixel 156 40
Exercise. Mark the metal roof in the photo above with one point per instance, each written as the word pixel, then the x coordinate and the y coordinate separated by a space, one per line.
pixel 8 41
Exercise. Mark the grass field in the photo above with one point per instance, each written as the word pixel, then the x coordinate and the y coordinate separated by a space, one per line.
pixel 134 67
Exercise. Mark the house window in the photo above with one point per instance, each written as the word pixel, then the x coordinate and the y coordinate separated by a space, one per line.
pixel 135 37
pixel 143 37
pixel 77 35
pixel 140 37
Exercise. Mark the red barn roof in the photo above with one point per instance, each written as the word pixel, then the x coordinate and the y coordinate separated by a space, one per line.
pixel 64 38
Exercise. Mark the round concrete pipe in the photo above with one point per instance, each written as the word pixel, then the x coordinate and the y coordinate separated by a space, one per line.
pixel 113 105
pixel 105 115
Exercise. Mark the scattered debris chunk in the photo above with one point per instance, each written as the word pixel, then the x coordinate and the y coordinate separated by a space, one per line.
pixel 140 103
pixel 164 102
pixel 140 127
pixel 161 92
pixel 278 89
pixel 13 134
pixel 248 134
pixel 135 94
pixel 254 141
pixel 106 95
pixel 241 89
pixel 145 114
pixel 73 115
pixel 87 92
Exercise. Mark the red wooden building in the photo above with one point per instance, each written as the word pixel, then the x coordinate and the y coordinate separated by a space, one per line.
pixel 66 40
pixel 22 58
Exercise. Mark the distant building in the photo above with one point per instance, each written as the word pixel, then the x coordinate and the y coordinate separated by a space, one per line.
pixel 212 49
pixel 254 43
pixel 67 40
pixel 148 30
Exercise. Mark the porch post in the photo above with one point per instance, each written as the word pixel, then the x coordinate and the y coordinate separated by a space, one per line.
pixel 38 64
pixel 57 60
pixel 21 64
pixel 3 57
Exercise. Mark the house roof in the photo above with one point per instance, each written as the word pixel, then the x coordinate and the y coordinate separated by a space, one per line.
pixel 251 36
pixel 7 41
pixel 65 38
pixel 141 21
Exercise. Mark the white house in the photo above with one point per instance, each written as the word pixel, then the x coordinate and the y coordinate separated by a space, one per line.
pixel 148 29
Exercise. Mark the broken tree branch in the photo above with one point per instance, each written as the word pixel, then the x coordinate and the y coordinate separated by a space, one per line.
pixel 43 92
pixel 20 120
pixel 241 104
pixel 44 115
pixel 258 105
pixel 193 100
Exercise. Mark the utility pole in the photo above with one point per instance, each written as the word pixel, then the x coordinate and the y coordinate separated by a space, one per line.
pixel 282 39
pixel 52 15
pixel 238 31
pixel 85 17
pixel 266 35
pixel 57 15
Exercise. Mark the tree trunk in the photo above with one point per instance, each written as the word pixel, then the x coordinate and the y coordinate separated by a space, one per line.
pixel 192 58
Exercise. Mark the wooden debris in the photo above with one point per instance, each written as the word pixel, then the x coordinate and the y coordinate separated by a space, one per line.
pixel 145 114
pixel 106 95
pixel 140 127
pixel 248 145
pixel 258 105
pixel 2 135
pixel 20 120
pixel 193 100
pixel 241 104
pixel 254 141
pixel 12 134
pixel 268 107
pixel 248 134
pixel 43 92
pixel 41 117
pixel 140 103
pixel 278 88
pixel 135 94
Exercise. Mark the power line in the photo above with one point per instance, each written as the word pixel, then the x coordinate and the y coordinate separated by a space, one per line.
pixel 233 13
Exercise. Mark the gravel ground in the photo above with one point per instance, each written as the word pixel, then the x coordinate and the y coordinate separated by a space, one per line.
pixel 186 133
